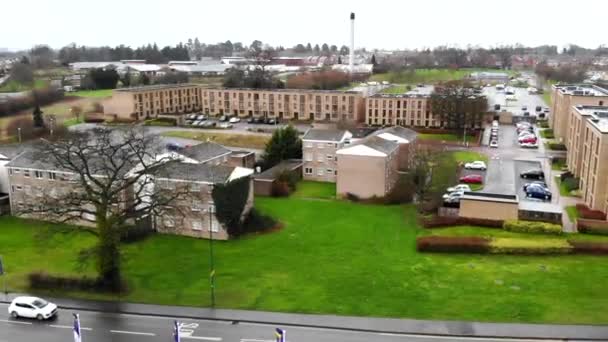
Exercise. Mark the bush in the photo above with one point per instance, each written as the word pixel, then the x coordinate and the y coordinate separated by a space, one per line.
pixel 565 176
pixel 584 228
pixel 571 184
pixel 93 119
pixel 557 146
pixel 280 189
pixel 584 247
pixel 256 222
pixel 529 246
pixel 352 197
pixel 44 281
pixel 441 221
pixel 135 233
pixel 543 123
pixel 446 244
pixel 534 227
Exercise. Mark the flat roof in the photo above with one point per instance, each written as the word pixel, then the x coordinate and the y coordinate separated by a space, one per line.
pixel 490 197
pixel 541 207
pixel 424 91
pixel 285 165
pixel 581 89
pixel 157 87
pixel 599 120
pixel 289 90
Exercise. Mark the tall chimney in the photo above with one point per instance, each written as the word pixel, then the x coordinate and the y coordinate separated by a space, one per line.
pixel 351 62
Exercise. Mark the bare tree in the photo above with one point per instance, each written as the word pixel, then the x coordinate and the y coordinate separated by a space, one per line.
pixel 111 177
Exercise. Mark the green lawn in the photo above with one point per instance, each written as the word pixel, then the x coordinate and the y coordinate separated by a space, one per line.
pixel 396 89
pixel 14 86
pixel 563 191
pixel 73 121
pixel 427 75
pixel 444 137
pixel 229 139
pixel 309 189
pixel 572 212
pixel 92 93
pixel 558 164
pixel 334 257
pixel 469 156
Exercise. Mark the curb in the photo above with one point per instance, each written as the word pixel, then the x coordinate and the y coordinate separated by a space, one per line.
pixel 325 327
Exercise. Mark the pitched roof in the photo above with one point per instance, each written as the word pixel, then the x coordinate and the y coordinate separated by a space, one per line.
pixel 285 165
pixel 11 151
pixel 372 146
pixel 204 151
pixel 195 172
pixel 380 144
pixel 324 134
pixel 397 132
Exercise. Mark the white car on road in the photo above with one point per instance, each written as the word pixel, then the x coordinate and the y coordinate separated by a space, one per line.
pixel 476 165
pixel 459 187
pixel 494 144
pixel 32 307
pixel 235 120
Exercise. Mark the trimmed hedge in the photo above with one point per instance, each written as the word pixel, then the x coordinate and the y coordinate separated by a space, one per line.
pixel 557 146
pixel 533 227
pixel 529 246
pixel 588 229
pixel 135 233
pixel 442 221
pixel 447 244
pixel 584 247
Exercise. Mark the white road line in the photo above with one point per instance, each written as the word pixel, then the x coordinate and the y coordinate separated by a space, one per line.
pixel 203 338
pixel 463 338
pixel 67 327
pixel 14 322
pixel 254 340
pixel 132 332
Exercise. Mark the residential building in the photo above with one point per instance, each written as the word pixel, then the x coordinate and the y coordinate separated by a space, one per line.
pixel 594 159
pixel 577 124
pixel 140 103
pixel 285 104
pixel 264 182
pixel 411 109
pixel 319 148
pixel 564 97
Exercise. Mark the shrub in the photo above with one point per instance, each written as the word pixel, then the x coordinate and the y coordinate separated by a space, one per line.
pixel 529 246
pixel 352 197
pixel 584 228
pixel 534 227
pixel 44 281
pixel 280 189
pixel 543 123
pixel 571 184
pixel 447 244
pixel 557 146
pixel 256 222
pixel 93 119
pixel 565 176
pixel 442 221
pixel 136 233
pixel 584 247
pixel 161 122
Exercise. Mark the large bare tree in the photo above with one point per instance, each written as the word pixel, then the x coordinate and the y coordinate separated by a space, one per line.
pixel 111 175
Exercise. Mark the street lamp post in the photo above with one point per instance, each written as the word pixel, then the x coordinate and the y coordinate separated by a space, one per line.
pixel 211 264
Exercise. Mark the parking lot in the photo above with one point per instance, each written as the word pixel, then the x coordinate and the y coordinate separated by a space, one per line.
pixel 243 125
pixel 522 98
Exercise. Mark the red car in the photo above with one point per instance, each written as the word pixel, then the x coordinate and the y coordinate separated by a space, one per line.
pixel 531 140
pixel 471 179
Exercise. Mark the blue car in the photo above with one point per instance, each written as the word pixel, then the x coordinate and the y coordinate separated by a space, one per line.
pixel 173 146
pixel 538 192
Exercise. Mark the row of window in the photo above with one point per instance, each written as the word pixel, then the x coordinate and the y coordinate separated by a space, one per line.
pixel 36 190
pixel 310 144
pixel 37 174
pixel 321 171
pixel 308 156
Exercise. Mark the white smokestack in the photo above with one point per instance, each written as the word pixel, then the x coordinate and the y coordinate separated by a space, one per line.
pixel 351 62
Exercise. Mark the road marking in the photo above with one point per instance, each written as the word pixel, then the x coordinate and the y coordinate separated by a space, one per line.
pixel 132 332
pixel 67 327
pixel 203 338
pixel 254 340
pixel 14 322
pixel 472 338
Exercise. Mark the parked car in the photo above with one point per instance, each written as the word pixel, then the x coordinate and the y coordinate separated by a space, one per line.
pixel 234 120
pixel 538 192
pixel 471 179
pixel 259 120
pixel 526 113
pixel 541 115
pixel 528 145
pixel 223 118
pixel 524 133
pixel 225 125
pixel 207 124
pixel 201 117
pixel 250 119
pixel 539 108
pixel 497 106
pixel 32 307
pixel 494 144
pixel 524 108
pixel 271 121
pixel 533 174
pixel 459 187
pixel 476 165
pixel 494 123
pixel 189 122
pixel 523 124
pixel 191 117
pixel 454 197
pixel 542 184
pixel 528 139
pixel 173 146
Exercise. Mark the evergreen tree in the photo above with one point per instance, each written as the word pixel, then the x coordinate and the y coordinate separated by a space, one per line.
pixel 284 144
pixel 308 47
pixel 339 59
pixel 38 121
pixel 374 63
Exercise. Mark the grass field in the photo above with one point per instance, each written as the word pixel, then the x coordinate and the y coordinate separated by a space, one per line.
pixel 426 75
pixel 333 257
pixel 257 141
pixel 308 189
pixel 444 137
pixel 563 190
pixel 92 93
pixel 396 89
pixel 14 86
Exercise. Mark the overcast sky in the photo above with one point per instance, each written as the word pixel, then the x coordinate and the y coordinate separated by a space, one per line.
pixel 380 23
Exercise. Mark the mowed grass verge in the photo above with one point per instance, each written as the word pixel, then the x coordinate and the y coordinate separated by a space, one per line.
pixel 445 137
pixel 92 93
pixel 334 257
pixel 317 190
pixel 257 141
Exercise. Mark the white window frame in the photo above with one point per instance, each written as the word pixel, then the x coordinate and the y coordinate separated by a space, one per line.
pixel 306 169
pixel 320 172
pixel 196 206
pixel 330 171
pixel 320 145
pixel 320 158
pixel 16 171
pixel 26 173
pixel 330 157
pixel 197 225
pixel 38 174
pixel 169 221
pixel 195 187
pixel 308 156
pixel 52 176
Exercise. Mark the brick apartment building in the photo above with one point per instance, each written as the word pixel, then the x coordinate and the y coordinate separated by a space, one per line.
pixel 319 148
pixel 199 168
pixel 587 155
pixel 411 109
pixel 567 96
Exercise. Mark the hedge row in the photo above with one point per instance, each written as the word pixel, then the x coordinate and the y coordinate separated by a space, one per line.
pixel 442 221
pixel 534 227
pixel 584 228
pixel 557 146
pixel 446 244
pixel 479 245
pixel 45 281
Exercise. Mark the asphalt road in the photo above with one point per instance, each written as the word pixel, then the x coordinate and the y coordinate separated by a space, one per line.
pixel 102 327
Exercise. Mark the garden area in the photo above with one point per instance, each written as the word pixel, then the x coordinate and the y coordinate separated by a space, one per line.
pixel 333 257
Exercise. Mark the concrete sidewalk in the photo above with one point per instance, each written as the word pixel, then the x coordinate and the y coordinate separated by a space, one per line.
pixel 362 324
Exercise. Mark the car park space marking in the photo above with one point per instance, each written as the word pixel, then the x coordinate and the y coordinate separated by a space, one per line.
pixel 15 322
pixel 255 340
pixel 132 332
pixel 203 338
pixel 68 327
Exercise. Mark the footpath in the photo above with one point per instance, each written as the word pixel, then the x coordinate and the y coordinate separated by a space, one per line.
pixel 362 324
